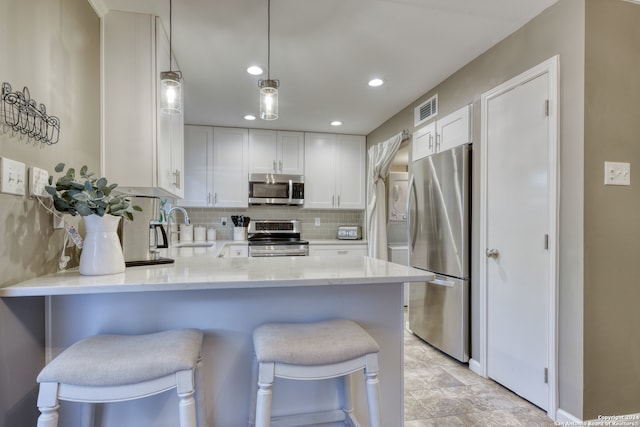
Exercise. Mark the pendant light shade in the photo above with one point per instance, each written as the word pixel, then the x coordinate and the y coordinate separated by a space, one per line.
pixel 268 99
pixel 268 87
pixel 171 81
pixel 171 92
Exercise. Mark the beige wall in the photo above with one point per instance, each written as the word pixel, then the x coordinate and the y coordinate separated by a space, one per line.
pixel 53 48
pixel 558 30
pixel 612 219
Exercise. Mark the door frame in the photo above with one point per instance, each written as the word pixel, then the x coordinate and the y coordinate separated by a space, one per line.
pixel 550 67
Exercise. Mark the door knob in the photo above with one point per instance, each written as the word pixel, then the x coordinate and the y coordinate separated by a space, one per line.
pixel 492 253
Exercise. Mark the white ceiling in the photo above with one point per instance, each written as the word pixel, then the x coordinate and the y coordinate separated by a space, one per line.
pixel 324 52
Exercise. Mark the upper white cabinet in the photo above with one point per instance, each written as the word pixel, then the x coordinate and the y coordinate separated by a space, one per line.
pixel 142 149
pixel 334 171
pixel 273 151
pixel 216 164
pixel 448 132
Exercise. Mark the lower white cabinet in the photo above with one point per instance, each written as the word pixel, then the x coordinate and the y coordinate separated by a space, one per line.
pixel 316 249
pixel 216 167
pixel 234 250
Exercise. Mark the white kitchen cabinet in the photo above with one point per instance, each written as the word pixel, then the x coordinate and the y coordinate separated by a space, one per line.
pixel 198 161
pixel 273 151
pixel 142 148
pixel 334 171
pixel 216 167
pixel 448 132
pixel 337 249
pixel 424 141
pixel 234 250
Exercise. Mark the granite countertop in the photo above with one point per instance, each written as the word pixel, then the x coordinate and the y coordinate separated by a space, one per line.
pixel 202 269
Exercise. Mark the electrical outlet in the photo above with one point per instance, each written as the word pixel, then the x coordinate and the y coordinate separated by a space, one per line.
pixel 317 222
pixel 38 178
pixel 12 176
pixel 223 221
pixel 616 173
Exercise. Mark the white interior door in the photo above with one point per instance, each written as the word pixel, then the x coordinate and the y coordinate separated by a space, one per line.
pixel 517 222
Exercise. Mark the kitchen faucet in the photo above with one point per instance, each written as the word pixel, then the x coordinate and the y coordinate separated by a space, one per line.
pixel 187 221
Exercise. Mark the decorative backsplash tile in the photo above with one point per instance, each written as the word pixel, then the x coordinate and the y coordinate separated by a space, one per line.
pixel 329 219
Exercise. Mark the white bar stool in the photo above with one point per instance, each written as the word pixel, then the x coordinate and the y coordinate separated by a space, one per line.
pixel 115 368
pixel 313 351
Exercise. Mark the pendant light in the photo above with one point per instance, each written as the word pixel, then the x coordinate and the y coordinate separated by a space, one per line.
pixel 171 81
pixel 268 87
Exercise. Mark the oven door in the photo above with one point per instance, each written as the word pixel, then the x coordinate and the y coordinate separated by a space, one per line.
pixel 275 250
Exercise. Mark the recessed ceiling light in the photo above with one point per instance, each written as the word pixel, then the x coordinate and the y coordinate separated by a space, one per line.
pixel 254 70
pixel 376 82
pixel 249 117
pixel 336 123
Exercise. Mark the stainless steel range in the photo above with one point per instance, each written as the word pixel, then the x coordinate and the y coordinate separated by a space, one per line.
pixel 268 238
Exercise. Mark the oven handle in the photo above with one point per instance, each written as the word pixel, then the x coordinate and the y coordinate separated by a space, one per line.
pixel 290 190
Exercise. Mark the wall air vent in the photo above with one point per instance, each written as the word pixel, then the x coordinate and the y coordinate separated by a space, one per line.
pixel 425 111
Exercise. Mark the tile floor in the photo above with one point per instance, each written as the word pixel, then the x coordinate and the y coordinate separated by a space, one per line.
pixel 440 391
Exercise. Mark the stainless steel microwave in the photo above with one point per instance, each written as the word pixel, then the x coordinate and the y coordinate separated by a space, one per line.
pixel 276 189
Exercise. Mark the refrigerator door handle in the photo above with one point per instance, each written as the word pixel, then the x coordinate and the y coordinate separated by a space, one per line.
pixel 440 282
pixel 411 234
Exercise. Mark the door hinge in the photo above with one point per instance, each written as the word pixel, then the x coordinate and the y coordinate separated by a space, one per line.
pixel 546 375
pixel 546 241
pixel 546 108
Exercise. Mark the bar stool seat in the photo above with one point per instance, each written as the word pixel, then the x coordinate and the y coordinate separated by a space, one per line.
pixel 313 351
pixel 114 368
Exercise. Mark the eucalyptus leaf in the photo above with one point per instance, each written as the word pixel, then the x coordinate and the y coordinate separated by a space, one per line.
pixel 101 183
pixel 83 170
pixel 59 167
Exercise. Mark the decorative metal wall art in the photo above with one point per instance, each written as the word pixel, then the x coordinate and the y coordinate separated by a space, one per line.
pixel 23 115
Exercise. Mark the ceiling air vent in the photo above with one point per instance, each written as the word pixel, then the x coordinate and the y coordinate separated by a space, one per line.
pixel 425 111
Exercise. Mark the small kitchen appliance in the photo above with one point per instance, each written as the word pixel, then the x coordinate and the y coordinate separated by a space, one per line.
pixel 271 238
pixel 142 237
pixel 276 189
pixel 349 232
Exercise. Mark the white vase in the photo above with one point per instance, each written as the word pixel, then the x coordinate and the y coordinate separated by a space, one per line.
pixel 101 250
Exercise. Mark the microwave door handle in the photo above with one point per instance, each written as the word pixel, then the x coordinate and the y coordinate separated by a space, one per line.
pixel 290 190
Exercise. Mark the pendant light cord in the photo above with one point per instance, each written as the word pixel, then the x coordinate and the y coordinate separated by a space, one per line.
pixel 170 35
pixel 268 39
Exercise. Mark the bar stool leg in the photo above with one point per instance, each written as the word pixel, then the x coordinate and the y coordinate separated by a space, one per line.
pixel 264 396
pixel 347 406
pixel 373 390
pixel 187 405
pixel 48 405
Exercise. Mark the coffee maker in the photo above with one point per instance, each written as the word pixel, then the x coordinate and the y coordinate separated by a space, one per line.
pixel 142 237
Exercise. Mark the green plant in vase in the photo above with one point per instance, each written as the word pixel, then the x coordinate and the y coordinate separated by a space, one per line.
pixel 88 195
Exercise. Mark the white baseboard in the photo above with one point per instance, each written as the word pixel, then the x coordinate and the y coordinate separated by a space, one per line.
pixel 475 366
pixel 565 417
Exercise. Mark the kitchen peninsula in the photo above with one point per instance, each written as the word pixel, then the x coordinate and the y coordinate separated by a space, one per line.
pixel 227 298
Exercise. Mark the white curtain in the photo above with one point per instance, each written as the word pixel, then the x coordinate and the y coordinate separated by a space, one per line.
pixel 380 157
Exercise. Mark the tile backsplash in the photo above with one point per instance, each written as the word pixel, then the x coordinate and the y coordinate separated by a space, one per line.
pixel 329 219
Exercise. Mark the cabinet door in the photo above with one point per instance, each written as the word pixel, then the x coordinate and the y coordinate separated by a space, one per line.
pixel 424 142
pixel 320 170
pixel 230 167
pixel 263 151
pixel 290 153
pixel 338 249
pixel 350 173
pixel 454 129
pixel 198 158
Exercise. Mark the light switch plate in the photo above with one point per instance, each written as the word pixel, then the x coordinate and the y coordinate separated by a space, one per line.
pixel 617 173
pixel 12 176
pixel 38 178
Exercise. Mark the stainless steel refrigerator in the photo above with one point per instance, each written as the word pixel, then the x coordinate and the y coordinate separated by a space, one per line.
pixel 438 229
